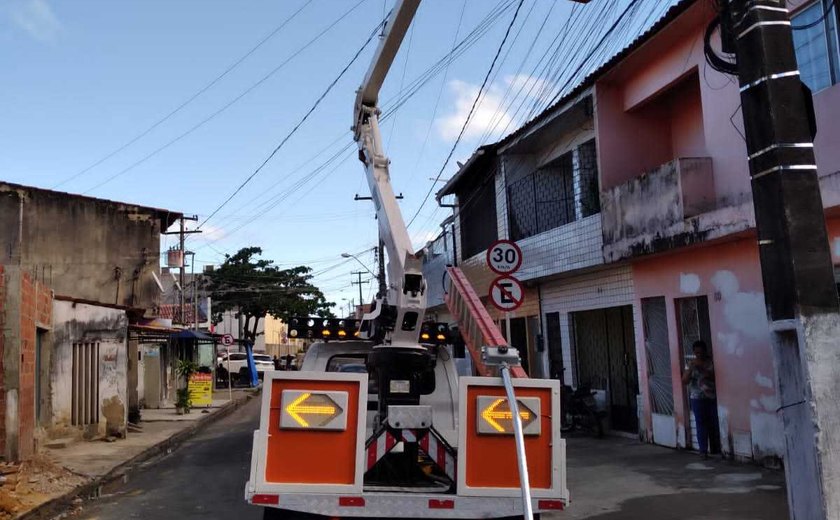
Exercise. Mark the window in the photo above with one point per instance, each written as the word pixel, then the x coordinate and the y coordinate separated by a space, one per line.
pixel 561 192
pixel 817 46
pixel 85 397
pixel 477 213
pixel 346 363
pixel 658 354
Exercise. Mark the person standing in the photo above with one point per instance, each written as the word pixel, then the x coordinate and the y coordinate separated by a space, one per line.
pixel 699 377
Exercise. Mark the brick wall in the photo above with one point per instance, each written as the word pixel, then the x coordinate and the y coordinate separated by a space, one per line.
pixel 35 310
pixel 2 367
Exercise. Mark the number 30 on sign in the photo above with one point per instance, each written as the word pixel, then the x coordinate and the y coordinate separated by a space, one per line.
pixel 504 257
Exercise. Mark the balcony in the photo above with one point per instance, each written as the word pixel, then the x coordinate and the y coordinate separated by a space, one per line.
pixel 670 207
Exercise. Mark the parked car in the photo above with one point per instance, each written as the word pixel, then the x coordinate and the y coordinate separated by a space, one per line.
pixel 239 364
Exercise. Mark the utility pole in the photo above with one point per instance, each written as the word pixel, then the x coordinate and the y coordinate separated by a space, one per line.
pixel 182 233
pixel 360 283
pixel 799 286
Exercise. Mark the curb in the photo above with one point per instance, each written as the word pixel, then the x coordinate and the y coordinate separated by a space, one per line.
pixel 58 505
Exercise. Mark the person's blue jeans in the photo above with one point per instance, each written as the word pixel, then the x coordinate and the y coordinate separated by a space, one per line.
pixel 706 419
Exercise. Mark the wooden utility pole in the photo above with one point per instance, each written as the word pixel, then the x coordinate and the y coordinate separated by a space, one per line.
pixel 360 283
pixel 799 286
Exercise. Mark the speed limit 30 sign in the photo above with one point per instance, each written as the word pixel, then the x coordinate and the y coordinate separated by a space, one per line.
pixel 504 257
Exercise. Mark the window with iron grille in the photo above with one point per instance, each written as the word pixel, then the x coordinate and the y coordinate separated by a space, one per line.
pixel 589 193
pixel 477 213
pixel 561 192
pixel 85 392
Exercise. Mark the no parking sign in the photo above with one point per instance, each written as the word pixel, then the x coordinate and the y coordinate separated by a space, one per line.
pixel 506 293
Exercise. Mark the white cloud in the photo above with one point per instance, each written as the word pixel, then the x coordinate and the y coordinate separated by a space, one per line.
pixel 36 18
pixel 492 111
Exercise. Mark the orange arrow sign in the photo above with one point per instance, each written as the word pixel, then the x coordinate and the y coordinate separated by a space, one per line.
pixel 313 410
pixel 500 411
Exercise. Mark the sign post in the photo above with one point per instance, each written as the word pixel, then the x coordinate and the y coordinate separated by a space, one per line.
pixel 227 341
pixel 504 257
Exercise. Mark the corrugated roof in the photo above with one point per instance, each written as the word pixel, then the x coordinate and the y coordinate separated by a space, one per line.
pixel 482 152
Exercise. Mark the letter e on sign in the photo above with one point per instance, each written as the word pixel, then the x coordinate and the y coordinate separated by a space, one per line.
pixel 506 293
pixel 504 257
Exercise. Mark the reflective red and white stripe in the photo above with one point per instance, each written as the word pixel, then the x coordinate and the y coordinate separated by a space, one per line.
pixel 428 443
pixel 379 448
pixel 438 452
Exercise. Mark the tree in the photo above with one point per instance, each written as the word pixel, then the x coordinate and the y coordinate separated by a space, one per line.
pixel 255 287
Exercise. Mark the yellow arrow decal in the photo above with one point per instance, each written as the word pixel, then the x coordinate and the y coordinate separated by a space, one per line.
pixel 491 415
pixel 297 408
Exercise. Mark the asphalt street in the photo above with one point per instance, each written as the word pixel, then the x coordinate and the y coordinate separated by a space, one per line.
pixel 204 478
pixel 611 478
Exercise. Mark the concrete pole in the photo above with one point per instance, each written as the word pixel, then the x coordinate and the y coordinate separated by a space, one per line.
pixel 383 287
pixel 181 273
pixel 799 286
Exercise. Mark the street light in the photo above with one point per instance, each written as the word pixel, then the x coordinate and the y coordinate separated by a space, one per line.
pixel 354 257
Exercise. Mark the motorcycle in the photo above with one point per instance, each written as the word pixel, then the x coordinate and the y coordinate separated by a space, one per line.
pixel 580 411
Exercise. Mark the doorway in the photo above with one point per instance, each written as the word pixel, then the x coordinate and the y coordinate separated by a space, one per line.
pixel 518 339
pixel 693 325
pixel 41 375
pixel 556 367
pixel 605 348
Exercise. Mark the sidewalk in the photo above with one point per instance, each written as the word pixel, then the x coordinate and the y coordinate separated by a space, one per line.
pixel 616 478
pixel 95 463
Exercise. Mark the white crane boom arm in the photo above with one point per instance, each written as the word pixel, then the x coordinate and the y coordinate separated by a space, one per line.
pixel 406 286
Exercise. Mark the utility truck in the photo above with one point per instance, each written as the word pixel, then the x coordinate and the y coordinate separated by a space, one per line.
pixel 377 422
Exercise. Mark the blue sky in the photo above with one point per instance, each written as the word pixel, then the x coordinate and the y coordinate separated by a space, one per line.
pixel 82 78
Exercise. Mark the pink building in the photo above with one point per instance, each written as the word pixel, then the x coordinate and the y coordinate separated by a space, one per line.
pixel 669 256
pixel 676 204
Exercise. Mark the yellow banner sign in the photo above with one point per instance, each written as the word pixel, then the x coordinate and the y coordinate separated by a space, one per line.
pixel 201 389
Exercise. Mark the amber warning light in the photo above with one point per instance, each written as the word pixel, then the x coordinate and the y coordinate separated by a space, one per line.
pixel 495 417
pixel 303 410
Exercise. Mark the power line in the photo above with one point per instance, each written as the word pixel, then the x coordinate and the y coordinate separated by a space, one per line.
pixel 189 100
pixel 396 102
pixel 231 102
pixel 469 115
pixel 298 125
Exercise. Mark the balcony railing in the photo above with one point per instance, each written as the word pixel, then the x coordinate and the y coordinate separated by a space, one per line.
pixel 653 212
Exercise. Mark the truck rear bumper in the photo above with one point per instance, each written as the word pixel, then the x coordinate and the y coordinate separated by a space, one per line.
pixel 406 505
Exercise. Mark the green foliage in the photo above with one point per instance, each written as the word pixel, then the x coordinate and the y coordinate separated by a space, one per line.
pixel 183 398
pixel 186 368
pixel 255 287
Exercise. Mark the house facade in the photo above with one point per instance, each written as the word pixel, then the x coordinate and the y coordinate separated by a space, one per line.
pixel 78 273
pixel 631 201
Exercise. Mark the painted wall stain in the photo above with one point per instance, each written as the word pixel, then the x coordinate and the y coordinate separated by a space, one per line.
pixel 689 283
pixel 763 381
pixel 113 409
pixel 744 311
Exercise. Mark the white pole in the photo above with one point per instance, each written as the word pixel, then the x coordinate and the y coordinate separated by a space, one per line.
pixel 524 481
pixel 507 328
pixel 230 388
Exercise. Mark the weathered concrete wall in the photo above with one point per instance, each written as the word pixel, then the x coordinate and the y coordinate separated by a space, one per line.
pixel 79 322
pixel 86 248
pixel 729 275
